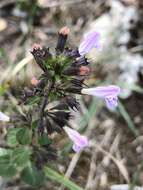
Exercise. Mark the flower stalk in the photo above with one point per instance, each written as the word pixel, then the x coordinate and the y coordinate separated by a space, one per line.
pixel 49 101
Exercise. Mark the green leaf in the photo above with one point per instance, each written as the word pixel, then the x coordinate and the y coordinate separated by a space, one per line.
pixel 3 89
pixel 4 151
pixel 32 176
pixel 33 100
pixel 53 175
pixel 90 113
pixel 7 169
pixel 20 156
pixel 133 87
pixel 127 118
pixel 5 159
pixel 11 136
pixel 23 136
pixel 34 124
pixel 44 140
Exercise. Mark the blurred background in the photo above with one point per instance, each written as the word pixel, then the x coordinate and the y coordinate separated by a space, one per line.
pixel 116 154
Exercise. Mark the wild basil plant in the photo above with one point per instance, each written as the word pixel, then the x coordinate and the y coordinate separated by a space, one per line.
pixel 47 106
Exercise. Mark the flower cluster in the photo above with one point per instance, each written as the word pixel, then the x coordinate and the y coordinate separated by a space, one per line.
pixel 65 71
pixel 53 93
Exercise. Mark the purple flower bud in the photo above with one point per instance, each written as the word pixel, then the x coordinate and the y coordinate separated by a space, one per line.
pixel 4 117
pixel 91 40
pixel 109 93
pixel 79 141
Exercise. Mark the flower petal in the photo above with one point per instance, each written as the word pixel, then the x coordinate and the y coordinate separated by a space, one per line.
pixel 109 93
pixel 79 141
pixel 76 148
pixel 102 91
pixel 4 117
pixel 91 40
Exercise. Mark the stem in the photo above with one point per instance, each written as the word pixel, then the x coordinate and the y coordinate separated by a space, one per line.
pixel 43 105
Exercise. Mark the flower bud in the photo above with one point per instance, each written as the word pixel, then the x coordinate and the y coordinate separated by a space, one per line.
pixel 64 30
pixel 63 33
pixel 83 70
pixel 34 81
pixel 36 46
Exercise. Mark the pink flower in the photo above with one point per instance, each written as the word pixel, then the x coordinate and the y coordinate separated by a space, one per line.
pixel 34 81
pixel 109 93
pixel 4 117
pixel 79 141
pixel 90 41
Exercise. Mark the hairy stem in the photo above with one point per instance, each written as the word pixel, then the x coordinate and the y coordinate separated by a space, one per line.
pixel 42 108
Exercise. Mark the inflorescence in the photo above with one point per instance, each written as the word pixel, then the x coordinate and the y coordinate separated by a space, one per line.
pixel 53 94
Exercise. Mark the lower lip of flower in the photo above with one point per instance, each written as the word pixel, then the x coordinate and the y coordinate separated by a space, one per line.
pixel 80 144
pixel 111 102
pixel 79 141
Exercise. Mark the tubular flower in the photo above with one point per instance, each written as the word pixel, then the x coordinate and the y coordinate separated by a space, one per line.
pixel 90 41
pixel 109 93
pixel 4 117
pixel 79 141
